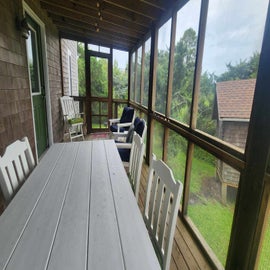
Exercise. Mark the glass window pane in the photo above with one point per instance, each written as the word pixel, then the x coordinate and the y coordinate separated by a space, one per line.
pixel 95 107
pixel 232 48
pixel 213 189
pixel 81 68
pixel 184 60
pixel 32 55
pixel 265 250
pixel 138 76
pixel 99 76
pixel 164 34
pixel 132 79
pixel 104 122
pixel 177 149
pixel 158 139
pixel 120 74
pixel 104 108
pixel 95 122
pixel 146 70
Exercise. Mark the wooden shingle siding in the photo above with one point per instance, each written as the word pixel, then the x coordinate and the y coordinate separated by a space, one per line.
pixel 16 119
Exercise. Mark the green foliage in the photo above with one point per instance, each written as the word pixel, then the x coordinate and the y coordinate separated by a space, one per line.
pixel 81 69
pixel 245 69
pixel 120 82
pixel 214 222
pixel 99 76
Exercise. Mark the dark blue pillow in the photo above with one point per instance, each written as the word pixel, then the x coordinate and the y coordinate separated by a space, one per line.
pixel 130 134
pixel 127 115
pixel 124 154
pixel 140 127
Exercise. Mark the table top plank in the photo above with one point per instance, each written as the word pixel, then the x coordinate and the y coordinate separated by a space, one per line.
pixel 13 220
pixel 69 251
pixel 104 244
pixel 129 218
pixel 34 247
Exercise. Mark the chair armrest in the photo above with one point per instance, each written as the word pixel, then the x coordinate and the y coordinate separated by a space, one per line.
pixel 123 145
pixel 122 125
pixel 115 120
pixel 119 136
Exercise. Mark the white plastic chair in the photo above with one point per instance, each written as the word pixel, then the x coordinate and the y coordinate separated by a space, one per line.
pixel 72 118
pixel 15 166
pixel 135 163
pixel 161 208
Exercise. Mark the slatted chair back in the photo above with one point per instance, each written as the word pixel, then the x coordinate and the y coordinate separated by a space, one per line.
pixel 161 208
pixel 72 118
pixel 135 163
pixel 15 166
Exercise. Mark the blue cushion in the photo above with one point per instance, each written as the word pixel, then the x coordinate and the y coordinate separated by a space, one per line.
pixel 113 128
pixel 140 127
pixel 136 121
pixel 124 154
pixel 127 115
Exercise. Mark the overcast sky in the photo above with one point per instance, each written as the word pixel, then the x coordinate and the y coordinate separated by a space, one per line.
pixel 234 31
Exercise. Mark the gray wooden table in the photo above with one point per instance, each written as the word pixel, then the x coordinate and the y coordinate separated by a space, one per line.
pixel 76 211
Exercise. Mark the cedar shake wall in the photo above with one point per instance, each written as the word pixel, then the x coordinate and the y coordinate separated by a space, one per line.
pixel 16 120
pixel 71 46
pixel 236 134
pixel 15 100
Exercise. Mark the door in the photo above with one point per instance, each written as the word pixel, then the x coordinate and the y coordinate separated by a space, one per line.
pixel 99 91
pixel 37 84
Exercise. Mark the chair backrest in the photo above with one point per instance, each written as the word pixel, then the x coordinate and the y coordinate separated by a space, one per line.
pixel 127 115
pixel 135 163
pixel 161 208
pixel 15 166
pixel 68 107
pixel 141 128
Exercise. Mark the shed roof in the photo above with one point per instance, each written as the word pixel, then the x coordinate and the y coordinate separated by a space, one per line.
pixel 234 98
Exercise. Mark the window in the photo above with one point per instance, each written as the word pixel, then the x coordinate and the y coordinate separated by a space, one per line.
pixel 120 74
pixel 146 70
pixel 184 60
pixel 69 73
pixel 212 211
pixel 132 78
pixel 164 34
pixel 138 76
pixel 231 55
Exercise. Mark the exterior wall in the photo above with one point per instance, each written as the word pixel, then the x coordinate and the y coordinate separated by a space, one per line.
pixel 236 134
pixel 69 46
pixel 16 119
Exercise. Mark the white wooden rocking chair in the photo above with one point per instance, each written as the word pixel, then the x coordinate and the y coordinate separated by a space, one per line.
pixel 161 208
pixel 72 118
pixel 15 166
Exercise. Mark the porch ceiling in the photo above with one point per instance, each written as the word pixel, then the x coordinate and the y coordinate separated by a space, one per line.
pixel 117 23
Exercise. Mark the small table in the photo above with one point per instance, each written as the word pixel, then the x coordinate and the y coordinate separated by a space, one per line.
pixel 76 211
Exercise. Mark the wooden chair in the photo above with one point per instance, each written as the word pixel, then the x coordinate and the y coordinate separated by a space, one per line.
pixel 72 118
pixel 135 163
pixel 15 166
pixel 122 124
pixel 161 208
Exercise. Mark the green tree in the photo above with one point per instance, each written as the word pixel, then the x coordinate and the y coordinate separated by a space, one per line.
pixel 184 66
pixel 81 69
pixel 120 82
pixel 244 69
